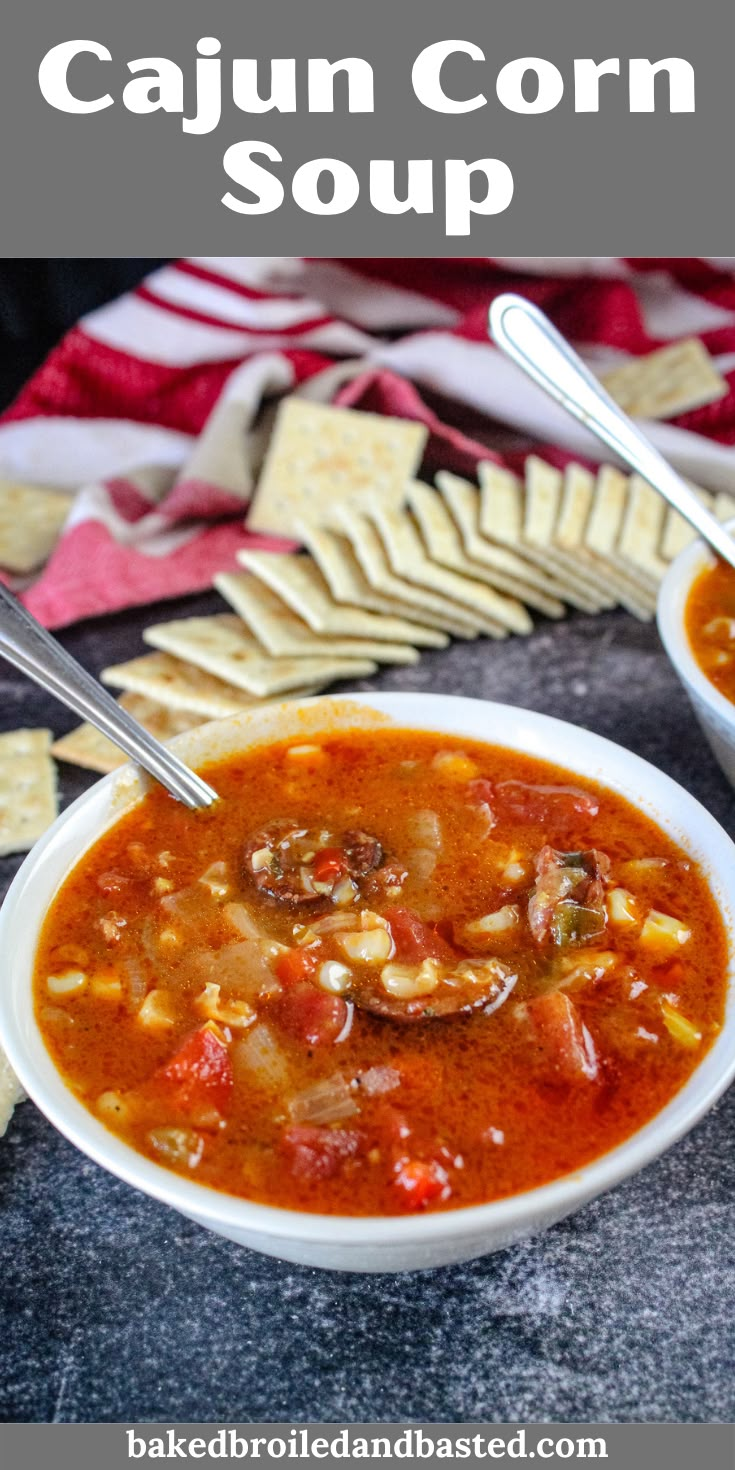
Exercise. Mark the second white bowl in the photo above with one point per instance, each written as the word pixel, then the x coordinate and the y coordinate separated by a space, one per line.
pixel 715 713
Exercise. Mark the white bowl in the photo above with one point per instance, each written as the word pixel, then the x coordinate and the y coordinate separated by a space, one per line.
pixel 338 1242
pixel 715 713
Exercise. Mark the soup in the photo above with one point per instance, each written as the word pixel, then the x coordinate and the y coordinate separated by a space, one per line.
pixel 710 625
pixel 389 971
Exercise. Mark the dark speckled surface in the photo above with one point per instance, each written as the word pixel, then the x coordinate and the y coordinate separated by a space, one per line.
pixel 114 1308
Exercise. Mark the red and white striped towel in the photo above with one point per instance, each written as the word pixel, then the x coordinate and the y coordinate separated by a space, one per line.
pixel 152 408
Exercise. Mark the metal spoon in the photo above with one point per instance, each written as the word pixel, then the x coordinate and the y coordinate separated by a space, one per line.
pixel 528 337
pixel 26 644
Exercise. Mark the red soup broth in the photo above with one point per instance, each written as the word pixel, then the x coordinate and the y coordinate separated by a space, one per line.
pixel 710 625
pixel 389 971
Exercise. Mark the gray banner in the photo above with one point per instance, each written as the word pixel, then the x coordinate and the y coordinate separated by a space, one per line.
pixel 622 1447
pixel 610 181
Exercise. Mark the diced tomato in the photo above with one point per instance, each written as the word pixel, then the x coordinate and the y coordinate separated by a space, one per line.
pixel 420 1183
pixel 312 1015
pixel 481 792
pixel 543 803
pixel 563 1036
pixel 481 796
pixel 329 864
pixel 414 940
pixel 295 965
pixel 317 1152
pixel 200 1073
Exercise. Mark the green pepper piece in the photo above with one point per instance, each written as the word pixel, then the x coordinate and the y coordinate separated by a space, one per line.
pixel 574 923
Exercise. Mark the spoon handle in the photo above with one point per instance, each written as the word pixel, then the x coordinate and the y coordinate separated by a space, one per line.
pixel 24 643
pixel 528 337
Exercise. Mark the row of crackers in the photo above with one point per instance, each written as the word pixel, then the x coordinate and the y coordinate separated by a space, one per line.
pixel 391 566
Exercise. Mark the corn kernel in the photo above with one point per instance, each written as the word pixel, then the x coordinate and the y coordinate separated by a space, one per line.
pixel 502 920
pixel 454 765
pixel 368 947
pixel 72 982
pixel 156 1011
pixel 305 753
pixel 106 987
pixel 113 1108
pixel 334 977
pixel 405 982
pixel 235 1013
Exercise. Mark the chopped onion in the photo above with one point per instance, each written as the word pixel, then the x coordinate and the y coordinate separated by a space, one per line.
pixel 215 879
pixel 421 862
pixel 682 1030
pixel 327 1101
pixel 135 982
pixel 177 903
pixel 259 1059
pixel 331 924
pixel 579 971
pixel 242 920
pixel 424 828
pixel 179 1146
pixel 244 969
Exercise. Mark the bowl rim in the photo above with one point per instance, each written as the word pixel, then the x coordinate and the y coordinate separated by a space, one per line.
pixel 673 596
pixel 242 1216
